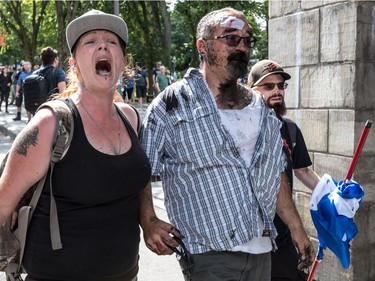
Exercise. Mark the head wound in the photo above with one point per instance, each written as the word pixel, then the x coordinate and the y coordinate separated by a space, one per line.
pixel 233 22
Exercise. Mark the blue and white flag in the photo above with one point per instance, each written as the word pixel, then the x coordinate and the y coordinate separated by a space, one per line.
pixel 333 206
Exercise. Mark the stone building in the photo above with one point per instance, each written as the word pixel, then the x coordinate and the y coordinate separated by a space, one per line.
pixel 328 46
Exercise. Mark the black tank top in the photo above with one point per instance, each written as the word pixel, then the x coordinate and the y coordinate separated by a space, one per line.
pixel 98 212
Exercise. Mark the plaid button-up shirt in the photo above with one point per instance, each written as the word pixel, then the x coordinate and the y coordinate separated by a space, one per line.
pixel 211 195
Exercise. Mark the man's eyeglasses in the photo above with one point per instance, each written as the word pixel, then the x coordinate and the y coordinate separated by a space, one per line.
pixel 234 40
pixel 271 86
pixel 184 257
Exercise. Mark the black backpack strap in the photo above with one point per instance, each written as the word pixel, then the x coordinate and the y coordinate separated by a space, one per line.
pixel 291 126
pixel 43 72
pixel 51 85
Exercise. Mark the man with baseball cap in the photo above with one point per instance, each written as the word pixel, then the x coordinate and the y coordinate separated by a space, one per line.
pixel 268 78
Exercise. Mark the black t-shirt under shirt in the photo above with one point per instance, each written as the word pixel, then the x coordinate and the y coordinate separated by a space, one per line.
pixel 297 157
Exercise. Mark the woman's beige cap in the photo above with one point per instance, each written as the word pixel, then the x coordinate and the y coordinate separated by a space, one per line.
pixel 95 20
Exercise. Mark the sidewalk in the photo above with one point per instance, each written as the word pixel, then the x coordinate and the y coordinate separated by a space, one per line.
pixel 12 128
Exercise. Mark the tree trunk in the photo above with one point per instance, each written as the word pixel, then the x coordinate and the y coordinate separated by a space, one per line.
pixel 64 17
pixel 167 34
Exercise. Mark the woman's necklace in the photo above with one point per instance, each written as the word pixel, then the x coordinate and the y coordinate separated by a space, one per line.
pixel 116 151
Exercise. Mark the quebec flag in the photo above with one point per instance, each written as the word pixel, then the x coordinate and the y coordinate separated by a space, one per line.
pixel 333 206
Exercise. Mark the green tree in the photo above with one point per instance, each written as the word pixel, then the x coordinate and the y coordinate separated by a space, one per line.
pixel 32 25
pixel 23 19
pixel 155 32
pixel 66 11
pixel 150 33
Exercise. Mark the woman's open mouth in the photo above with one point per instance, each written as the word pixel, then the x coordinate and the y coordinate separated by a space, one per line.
pixel 103 67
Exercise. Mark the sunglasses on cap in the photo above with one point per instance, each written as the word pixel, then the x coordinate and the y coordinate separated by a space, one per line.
pixel 234 40
pixel 271 86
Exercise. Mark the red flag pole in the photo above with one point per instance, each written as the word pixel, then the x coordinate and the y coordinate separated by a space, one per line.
pixel 313 269
pixel 358 150
pixel 353 164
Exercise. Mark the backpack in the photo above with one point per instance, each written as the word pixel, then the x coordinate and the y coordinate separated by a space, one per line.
pixel 12 241
pixel 35 89
pixel 292 130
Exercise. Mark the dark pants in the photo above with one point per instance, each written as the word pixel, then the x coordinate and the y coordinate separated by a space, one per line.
pixel 140 91
pixel 129 93
pixel 229 266
pixel 285 262
pixel 19 100
pixel 4 97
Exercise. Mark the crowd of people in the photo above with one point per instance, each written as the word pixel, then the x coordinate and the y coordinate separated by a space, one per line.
pixel 11 83
pixel 133 85
pixel 224 150
pixel 138 80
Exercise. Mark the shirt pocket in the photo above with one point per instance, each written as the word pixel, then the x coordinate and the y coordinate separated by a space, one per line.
pixel 194 136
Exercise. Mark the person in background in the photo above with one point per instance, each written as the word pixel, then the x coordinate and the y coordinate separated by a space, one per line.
pixel 268 78
pixel 5 84
pixel 218 150
pixel 162 80
pixel 120 87
pixel 14 85
pixel 155 73
pixel 56 77
pixel 175 76
pixel 27 70
pixel 141 83
pixel 129 87
pixel 169 76
pixel 99 206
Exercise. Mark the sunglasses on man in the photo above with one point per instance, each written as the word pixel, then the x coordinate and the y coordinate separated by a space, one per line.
pixel 234 40
pixel 271 86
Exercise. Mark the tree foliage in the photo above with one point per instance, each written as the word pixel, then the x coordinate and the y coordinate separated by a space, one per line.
pixel 150 35
pixel 23 20
pixel 156 32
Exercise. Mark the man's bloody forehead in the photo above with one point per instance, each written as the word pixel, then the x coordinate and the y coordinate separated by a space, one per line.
pixel 232 22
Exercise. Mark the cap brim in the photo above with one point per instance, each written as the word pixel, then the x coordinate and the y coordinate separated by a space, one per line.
pixel 285 75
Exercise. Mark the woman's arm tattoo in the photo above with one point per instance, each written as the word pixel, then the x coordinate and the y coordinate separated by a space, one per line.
pixel 28 138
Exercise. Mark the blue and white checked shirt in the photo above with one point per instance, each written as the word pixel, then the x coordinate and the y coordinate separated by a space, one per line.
pixel 211 196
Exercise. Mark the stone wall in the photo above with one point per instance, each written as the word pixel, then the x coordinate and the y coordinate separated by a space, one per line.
pixel 329 49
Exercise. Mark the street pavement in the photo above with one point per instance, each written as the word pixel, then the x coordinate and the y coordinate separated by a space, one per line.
pixel 151 266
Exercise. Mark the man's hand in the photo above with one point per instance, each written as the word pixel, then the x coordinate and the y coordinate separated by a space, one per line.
pixel 288 213
pixel 305 249
pixel 158 236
